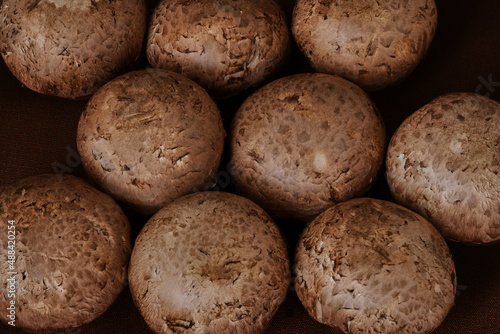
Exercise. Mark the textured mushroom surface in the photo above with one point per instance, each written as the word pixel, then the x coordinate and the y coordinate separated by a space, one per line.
pixel 305 142
pixel 150 136
pixel 70 48
pixel 72 245
pixel 444 163
pixel 372 43
pixel 209 262
pixel 225 46
pixel 371 266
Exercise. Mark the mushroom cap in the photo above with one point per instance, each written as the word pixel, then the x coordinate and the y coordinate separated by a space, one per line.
pixel 150 136
pixel 444 163
pixel 371 266
pixel 305 142
pixel 226 45
pixel 372 43
pixel 70 48
pixel 209 262
pixel 72 246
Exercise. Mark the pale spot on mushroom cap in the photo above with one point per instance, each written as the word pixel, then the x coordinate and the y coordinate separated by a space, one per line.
pixel 74 5
pixel 456 147
pixel 320 162
pixel 297 149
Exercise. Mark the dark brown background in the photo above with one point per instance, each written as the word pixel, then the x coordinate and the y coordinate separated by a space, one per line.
pixel 37 132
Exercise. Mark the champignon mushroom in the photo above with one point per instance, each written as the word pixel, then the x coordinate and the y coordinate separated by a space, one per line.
pixel 372 43
pixel 305 142
pixel 70 48
pixel 444 163
pixel 72 246
pixel 209 262
pixel 371 266
pixel 150 136
pixel 226 45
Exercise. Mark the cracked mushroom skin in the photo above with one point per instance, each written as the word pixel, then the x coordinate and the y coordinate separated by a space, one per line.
pixel 373 43
pixel 209 262
pixel 444 163
pixel 371 266
pixel 150 136
pixel 70 48
pixel 305 142
pixel 72 251
pixel 225 46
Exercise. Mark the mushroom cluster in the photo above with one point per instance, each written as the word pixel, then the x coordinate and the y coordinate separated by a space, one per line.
pixel 181 95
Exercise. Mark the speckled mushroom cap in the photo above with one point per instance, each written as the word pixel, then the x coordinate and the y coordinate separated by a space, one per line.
pixel 70 48
pixel 444 163
pixel 371 266
pixel 150 136
pixel 72 246
pixel 226 46
pixel 372 43
pixel 305 142
pixel 209 262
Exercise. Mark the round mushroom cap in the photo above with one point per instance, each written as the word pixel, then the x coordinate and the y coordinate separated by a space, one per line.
pixel 70 48
pixel 150 136
pixel 371 266
pixel 226 45
pixel 305 142
pixel 72 245
pixel 444 163
pixel 209 262
pixel 372 43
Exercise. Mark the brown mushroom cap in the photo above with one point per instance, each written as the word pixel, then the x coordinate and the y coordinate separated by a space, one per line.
pixel 150 136
pixel 226 46
pixel 370 266
pixel 444 163
pixel 70 48
pixel 72 246
pixel 305 142
pixel 209 262
pixel 372 43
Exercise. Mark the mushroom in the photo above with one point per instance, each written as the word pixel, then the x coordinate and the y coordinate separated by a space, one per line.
pixel 305 142
pixel 209 262
pixel 72 246
pixel 150 136
pixel 70 48
pixel 444 163
pixel 371 266
pixel 372 43
pixel 226 45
